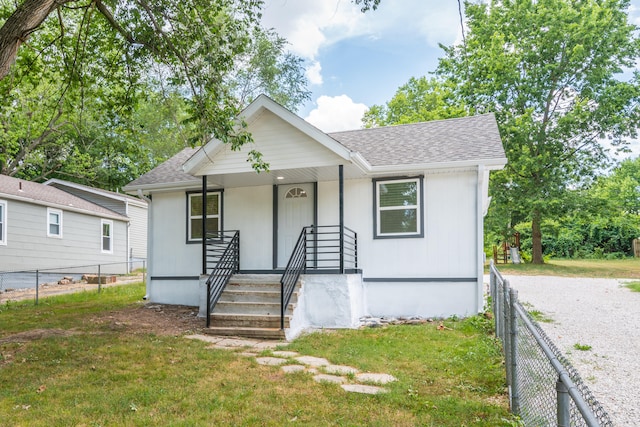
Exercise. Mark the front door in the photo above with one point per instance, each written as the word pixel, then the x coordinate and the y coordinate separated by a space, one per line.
pixel 295 210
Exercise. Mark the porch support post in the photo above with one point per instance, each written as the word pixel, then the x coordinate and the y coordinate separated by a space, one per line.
pixel 341 192
pixel 204 224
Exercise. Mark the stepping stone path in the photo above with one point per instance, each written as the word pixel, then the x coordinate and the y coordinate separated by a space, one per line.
pixel 349 378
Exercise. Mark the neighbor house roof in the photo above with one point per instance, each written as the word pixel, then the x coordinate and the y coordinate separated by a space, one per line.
pixel 33 192
pixel 61 184
pixel 440 141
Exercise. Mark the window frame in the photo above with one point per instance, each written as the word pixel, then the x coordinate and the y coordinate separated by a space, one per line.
pixel 3 222
pixel 419 207
pixel 102 236
pixel 57 212
pixel 189 217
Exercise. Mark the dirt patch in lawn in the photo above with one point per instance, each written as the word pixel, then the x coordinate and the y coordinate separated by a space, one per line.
pixel 37 334
pixel 156 319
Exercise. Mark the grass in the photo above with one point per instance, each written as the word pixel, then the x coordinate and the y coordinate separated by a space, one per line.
pixel 582 347
pixel 634 286
pixel 96 375
pixel 619 268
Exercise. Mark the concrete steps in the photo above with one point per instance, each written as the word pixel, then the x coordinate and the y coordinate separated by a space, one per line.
pixel 250 307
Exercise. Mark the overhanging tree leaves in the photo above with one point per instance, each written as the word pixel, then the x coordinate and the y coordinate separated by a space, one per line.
pixel 550 70
pixel 419 100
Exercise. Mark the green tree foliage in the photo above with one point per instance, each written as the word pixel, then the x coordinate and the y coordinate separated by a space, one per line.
pixel 105 90
pixel 419 100
pixel 268 68
pixel 549 69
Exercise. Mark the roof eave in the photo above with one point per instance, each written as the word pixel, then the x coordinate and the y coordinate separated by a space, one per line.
pixel 490 164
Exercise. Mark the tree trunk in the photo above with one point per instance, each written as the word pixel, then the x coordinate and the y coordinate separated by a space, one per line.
pixel 536 237
pixel 15 31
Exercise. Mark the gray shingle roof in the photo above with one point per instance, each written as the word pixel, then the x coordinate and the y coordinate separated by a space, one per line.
pixel 26 190
pixel 168 172
pixel 466 138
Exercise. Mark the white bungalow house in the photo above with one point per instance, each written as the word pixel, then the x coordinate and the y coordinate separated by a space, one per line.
pixel 44 228
pixel 382 222
pixel 133 208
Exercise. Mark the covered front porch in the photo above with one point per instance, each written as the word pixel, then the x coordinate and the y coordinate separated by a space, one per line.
pixel 317 250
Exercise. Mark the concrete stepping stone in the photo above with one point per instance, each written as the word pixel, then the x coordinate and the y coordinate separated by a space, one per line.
pixel 364 389
pixel 340 369
pixel 270 361
pixel 285 353
pixel 236 342
pixel 290 369
pixel 205 338
pixel 313 361
pixel 268 345
pixel 324 378
pixel 375 378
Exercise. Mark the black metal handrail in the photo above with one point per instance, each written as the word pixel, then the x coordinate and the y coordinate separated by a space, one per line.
pixel 225 249
pixel 296 265
pixel 331 248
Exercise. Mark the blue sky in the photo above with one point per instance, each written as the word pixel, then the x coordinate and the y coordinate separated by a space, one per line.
pixel 356 60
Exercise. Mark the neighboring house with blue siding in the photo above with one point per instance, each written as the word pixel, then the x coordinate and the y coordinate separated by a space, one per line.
pixel 44 227
pixel 132 207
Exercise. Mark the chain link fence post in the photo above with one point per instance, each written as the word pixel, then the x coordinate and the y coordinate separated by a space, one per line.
pixel 564 404
pixel 513 346
pixel 37 280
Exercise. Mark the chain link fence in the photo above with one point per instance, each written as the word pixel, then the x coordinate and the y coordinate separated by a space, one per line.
pixel 62 279
pixel 544 389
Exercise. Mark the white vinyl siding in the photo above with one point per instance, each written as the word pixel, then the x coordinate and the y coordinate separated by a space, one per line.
pixel 54 223
pixel 398 209
pixel 3 222
pixel 194 223
pixel 106 242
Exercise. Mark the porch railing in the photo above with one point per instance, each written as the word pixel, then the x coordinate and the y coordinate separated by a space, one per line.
pixel 295 266
pixel 223 249
pixel 326 248
pixel 331 248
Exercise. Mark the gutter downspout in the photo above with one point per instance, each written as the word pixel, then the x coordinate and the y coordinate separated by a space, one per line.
pixel 480 238
pixel 149 242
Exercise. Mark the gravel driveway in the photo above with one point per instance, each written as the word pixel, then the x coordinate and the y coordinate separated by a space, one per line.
pixel 600 313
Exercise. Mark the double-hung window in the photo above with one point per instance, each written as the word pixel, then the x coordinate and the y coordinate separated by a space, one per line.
pixel 398 208
pixel 54 223
pixel 3 222
pixel 194 211
pixel 106 240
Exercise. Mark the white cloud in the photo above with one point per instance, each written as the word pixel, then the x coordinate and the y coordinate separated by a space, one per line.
pixel 337 113
pixel 310 25
pixel 313 73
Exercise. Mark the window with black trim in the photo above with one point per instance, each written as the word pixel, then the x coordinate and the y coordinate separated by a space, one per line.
pixel 398 208
pixel 3 222
pixel 214 217
pixel 54 222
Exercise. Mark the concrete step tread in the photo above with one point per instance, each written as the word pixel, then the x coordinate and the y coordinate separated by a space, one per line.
pixel 248 316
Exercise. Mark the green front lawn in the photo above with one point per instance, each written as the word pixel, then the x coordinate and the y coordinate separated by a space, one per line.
pixel 69 367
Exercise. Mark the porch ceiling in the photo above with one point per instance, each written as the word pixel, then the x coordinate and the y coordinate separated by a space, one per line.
pixel 284 176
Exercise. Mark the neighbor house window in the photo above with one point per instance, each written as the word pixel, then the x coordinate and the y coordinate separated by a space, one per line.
pixel 398 208
pixel 214 218
pixel 106 240
pixel 3 222
pixel 54 223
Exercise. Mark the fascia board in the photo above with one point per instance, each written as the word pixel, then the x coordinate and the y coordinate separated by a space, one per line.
pixel 492 164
